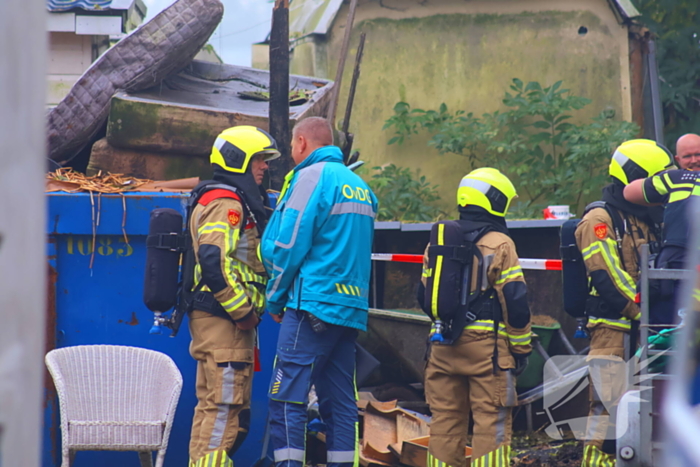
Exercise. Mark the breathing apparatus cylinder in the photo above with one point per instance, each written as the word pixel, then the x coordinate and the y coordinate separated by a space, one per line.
pixel 162 272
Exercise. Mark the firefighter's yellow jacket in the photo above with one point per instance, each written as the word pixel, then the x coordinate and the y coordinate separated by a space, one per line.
pixel 226 252
pixel 612 278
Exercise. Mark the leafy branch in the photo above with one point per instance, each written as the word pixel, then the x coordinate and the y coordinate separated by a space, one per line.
pixel 550 159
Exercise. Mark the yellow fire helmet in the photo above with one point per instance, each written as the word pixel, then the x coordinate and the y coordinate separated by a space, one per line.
pixel 236 146
pixel 487 188
pixel 639 158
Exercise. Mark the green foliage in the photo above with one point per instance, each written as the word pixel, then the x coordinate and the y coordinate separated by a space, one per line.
pixel 676 23
pixel 403 197
pixel 549 159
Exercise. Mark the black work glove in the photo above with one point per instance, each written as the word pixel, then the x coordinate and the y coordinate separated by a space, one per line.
pixel 521 362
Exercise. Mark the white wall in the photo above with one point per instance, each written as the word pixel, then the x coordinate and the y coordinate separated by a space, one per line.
pixel 22 226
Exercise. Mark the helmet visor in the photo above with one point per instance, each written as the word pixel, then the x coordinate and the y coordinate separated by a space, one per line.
pixel 269 154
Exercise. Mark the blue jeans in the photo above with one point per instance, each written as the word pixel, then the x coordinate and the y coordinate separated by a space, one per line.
pixel 327 360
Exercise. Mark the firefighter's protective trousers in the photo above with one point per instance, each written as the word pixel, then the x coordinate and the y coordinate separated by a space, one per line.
pixel 459 378
pixel 227 266
pixel 224 355
pixel 326 360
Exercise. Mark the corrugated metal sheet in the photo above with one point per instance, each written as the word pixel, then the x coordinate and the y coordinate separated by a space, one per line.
pixel 90 5
pixel 626 9
pixel 311 16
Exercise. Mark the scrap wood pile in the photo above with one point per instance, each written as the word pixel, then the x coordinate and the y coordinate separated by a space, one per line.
pixel 390 435
pixel 68 180
pixel 71 181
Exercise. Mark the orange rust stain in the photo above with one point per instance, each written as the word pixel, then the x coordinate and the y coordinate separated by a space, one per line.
pixel 134 320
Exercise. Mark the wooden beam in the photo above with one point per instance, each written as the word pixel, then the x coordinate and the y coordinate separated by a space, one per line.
pixel 332 109
pixel 353 83
pixel 279 92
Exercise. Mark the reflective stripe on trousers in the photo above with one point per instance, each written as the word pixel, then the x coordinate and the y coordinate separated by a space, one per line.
pixel 435 462
pixel 498 458
pixel 213 459
pixel 594 457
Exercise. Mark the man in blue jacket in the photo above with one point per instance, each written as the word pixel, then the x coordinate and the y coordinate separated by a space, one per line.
pixel 317 250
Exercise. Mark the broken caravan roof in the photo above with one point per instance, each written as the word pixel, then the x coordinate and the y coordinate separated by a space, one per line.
pixel 307 17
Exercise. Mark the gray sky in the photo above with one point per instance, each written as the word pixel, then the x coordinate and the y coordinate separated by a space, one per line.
pixel 245 22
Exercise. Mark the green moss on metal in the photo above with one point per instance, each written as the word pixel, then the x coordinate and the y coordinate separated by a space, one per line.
pixel 134 124
pixel 185 167
pixel 131 121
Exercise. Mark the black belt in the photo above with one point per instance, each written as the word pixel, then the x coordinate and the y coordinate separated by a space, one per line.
pixel 205 301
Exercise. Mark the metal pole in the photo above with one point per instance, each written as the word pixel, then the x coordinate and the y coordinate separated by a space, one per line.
pixel 645 417
pixel 22 230
pixel 279 92
pixel 657 107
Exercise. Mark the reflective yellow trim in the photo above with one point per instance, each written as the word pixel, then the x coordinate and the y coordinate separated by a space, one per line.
pixel 590 251
pixel 594 457
pixel 486 325
pixel 337 286
pixel 659 185
pixel 623 323
pixel 497 458
pixel 523 339
pixel 510 273
pixel 617 273
pixel 674 186
pixel 678 195
pixel 696 294
pixel 438 270
pixel 211 227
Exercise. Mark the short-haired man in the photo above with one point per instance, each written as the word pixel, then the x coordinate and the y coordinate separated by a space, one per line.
pixel 317 250
pixel 688 152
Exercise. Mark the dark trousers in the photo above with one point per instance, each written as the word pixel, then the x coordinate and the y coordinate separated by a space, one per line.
pixel 326 360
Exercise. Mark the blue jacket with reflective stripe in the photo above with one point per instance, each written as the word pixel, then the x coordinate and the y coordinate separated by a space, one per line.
pixel 317 247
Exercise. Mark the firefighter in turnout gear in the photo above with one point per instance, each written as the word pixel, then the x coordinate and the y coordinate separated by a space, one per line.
pixel 226 224
pixel 610 236
pixel 476 370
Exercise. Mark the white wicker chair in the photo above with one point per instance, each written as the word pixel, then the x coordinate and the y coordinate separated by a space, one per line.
pixel 115 398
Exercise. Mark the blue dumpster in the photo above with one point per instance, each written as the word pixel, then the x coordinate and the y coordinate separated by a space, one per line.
pixel 96 253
